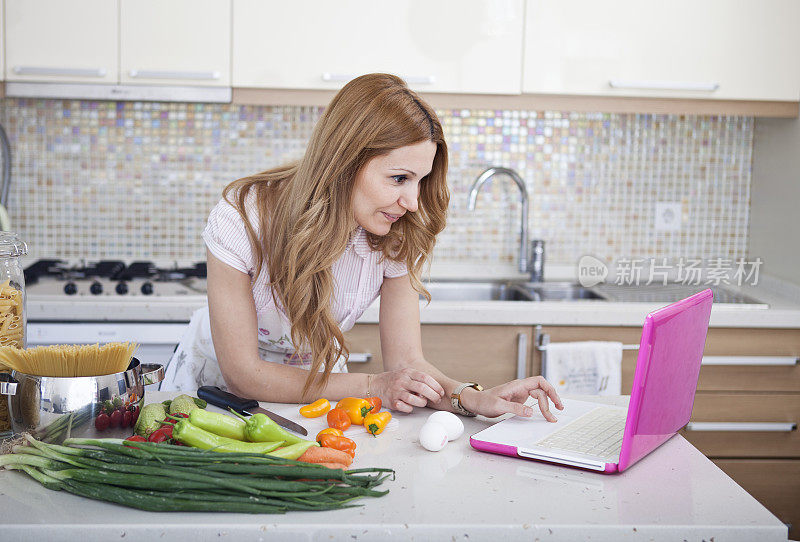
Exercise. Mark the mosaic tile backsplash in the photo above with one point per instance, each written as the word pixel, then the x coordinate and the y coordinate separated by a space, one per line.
pixel 131 180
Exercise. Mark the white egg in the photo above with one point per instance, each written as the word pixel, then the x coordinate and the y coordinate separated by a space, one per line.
pixel 433 436
pixel 451 422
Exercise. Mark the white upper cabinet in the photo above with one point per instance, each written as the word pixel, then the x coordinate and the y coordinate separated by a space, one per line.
pixel 716 49
pixel 465 46
pixel 2 41
pixel 73 41
pixel 178 42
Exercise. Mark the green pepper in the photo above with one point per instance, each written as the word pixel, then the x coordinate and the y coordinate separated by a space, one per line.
pixel 293 451
pixel 219 424
pixel 191 435
pixel 260 428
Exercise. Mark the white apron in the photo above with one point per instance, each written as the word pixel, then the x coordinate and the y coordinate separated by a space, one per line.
pixel 194 362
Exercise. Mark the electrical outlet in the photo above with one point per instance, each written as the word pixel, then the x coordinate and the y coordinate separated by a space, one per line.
pixel 668 215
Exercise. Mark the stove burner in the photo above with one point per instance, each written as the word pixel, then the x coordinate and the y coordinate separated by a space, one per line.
pixel 106 268
pixel 115 278
pixel 41 268
pixel 139 270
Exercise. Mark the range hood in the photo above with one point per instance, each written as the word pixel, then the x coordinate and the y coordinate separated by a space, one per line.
pixel 146 93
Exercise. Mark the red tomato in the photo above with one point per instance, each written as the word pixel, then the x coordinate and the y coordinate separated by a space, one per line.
pixel 135 438
pixel 161 435
pixel 134 415
pixel 126 418
pixel 116 418
pixel 102 421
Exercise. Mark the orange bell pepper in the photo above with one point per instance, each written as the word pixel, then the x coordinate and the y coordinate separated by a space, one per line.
pixel 315 409
pixel 376 423
pixel 329 431
pixel 338 419
pixel 376 404
pixel 343 444
pixel 356 408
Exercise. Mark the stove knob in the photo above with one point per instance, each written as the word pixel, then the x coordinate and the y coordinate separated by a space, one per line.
pixel 70 288
pixel 122 288
pixel 147 288
pixel 96 288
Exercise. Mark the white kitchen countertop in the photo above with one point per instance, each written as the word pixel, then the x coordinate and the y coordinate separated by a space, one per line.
pixel 782 297
pixel 781 314
pixel 458 493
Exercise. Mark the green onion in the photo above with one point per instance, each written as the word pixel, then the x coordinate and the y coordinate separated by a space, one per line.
pixel 161 477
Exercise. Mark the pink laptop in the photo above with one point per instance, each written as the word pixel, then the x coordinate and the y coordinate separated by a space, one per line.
pixel 606 438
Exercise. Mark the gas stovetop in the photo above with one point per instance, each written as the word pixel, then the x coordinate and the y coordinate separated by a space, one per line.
pixel 114 278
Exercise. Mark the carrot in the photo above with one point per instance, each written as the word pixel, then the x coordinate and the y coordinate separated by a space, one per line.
pixel 320 454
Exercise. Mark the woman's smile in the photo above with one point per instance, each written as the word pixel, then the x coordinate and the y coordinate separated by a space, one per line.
pixel 391 218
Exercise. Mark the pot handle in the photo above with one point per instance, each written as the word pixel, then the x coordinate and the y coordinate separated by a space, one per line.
pixel 8 386
pixel 152 373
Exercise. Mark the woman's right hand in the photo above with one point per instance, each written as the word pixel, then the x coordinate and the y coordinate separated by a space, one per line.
pixel 406 388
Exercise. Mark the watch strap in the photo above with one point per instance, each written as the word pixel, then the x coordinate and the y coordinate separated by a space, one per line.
pixel 455 397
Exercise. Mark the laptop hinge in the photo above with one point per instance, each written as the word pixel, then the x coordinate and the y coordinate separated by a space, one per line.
pixel 572 461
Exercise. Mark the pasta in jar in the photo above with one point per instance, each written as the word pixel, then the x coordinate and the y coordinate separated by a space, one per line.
pixel 12 324
pixel 12 333
pixel 12 305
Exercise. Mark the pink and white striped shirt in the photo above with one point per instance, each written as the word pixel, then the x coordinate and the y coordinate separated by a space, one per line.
pixel 358 275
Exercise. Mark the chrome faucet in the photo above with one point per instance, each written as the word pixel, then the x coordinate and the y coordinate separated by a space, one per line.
pixel 523 226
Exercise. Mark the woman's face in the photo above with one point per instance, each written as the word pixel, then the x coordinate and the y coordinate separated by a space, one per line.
pixel 388 186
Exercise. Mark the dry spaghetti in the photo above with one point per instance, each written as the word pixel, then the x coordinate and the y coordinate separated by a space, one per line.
pixel 69 360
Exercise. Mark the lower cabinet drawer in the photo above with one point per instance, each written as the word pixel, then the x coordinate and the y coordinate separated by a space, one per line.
pixel 775 483
pixel 489 355
pixel 771 428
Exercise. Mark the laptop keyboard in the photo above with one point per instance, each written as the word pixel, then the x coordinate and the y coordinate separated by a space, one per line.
pixel 597 433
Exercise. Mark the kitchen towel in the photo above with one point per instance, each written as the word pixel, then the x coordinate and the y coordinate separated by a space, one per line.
pixel 584 368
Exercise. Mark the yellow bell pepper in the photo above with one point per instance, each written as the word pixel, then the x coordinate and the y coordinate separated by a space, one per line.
pixel 376 423
pixel 315 409
pixel 355 408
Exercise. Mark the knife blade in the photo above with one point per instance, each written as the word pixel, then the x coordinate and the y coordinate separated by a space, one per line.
pixel 248 407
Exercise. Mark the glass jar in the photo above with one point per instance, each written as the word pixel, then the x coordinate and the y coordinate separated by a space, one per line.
pixel 12 305
pixel 12 290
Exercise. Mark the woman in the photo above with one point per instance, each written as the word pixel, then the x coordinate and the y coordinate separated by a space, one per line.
pixel 297 253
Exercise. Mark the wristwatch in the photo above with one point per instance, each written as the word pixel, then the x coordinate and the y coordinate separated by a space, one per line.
pixel 455 397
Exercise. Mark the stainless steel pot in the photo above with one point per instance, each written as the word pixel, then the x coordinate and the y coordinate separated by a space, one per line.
pixel 56 408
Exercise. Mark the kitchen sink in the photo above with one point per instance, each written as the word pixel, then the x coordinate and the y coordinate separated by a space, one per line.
pixel 559 291
pixel 462 290
pixel 475 291
pixel 508 291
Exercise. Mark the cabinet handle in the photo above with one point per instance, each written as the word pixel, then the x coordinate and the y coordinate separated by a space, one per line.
pixel 155 74
pixel 763 361
pixel 772 427
pixel 39 70
pixel 359 357
pixel 522 355
pixel 662 85
pixel 411 79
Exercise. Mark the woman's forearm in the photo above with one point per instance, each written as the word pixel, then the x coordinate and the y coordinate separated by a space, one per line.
pixel 274 382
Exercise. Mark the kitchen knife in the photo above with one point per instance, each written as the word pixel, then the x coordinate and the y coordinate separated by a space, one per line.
pixel 248 407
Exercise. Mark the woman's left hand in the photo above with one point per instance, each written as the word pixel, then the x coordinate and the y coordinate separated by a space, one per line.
pixel 511 396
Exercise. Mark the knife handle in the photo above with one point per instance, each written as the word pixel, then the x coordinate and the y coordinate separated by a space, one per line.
pixel 225 400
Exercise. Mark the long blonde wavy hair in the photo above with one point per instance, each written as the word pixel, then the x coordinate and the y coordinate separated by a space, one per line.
pixel 305 210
